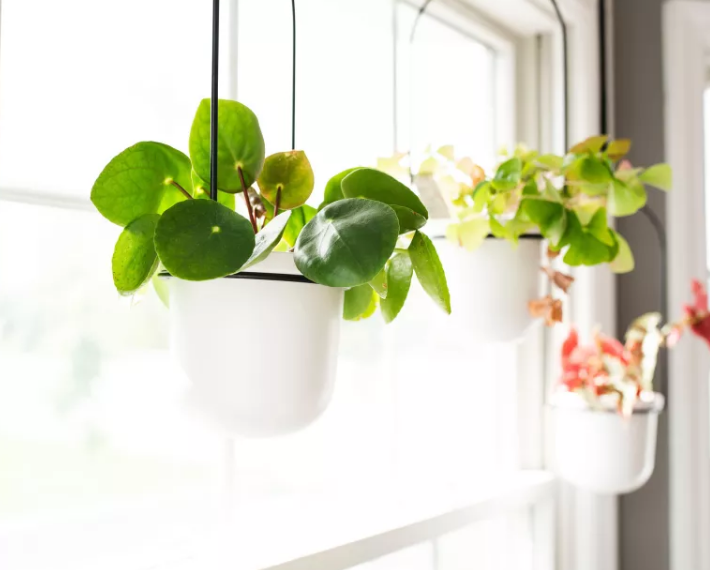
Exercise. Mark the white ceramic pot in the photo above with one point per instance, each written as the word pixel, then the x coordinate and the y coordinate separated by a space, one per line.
pixel 491 286
pixel 601 451
pixel 260 347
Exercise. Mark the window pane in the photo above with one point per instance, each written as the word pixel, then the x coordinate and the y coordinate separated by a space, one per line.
pixel 81 80
pixel 344 74
pixel 445 89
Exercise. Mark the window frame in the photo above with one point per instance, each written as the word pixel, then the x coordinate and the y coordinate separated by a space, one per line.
pixel 582 518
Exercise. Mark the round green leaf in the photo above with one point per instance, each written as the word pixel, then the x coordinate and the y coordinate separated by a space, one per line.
pixel 137 182
pixel 241 144
pixel 134 259
pixel 399 279
pixel 333 191
pixel 508 175
pixel 291 173
pixel 268 238
pixel 347 243
pixel 375 185
pixel 202 239
pixel 585 245
pixel 357 302
pixel 429 270
pixel 594 170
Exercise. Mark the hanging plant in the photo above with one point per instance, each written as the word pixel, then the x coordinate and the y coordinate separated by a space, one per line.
pixel 605 408
pixel 366 236
pixel 568 200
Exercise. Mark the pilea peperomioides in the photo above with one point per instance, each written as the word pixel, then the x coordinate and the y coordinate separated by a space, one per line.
pixel 364 237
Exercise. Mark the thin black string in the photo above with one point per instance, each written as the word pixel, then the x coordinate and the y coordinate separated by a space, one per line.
pixel 565 73
pixel 214 100
pixel 412 35
pixel 293 87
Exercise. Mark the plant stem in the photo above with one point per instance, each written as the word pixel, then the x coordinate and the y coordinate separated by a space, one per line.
pixel 278 201
pixel 187 194
pixel 245 191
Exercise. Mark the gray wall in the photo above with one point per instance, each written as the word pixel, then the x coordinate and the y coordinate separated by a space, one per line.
pixel 638 114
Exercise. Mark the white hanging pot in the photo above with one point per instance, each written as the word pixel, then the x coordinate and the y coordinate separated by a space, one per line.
pixel 599 450
pixel 259 347
pixel 492 285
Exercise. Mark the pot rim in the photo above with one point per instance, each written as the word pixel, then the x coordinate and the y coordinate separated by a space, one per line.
pixel 650 403
pixel 278 266
pixel 491 236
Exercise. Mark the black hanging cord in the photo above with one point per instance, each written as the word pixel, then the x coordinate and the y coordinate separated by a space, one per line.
pixel 293 86
pixel 565 72
pixel 214 100
pixel 649 214
pixel 416 20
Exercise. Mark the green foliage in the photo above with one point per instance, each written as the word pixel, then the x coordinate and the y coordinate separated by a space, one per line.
pixel 201 239
pixel 429 270
pixel 241 145
pixel 566 198
pixel 268 238
pixel 161 198
pixel 134 259
pixel 375 185
pixel 136 182
pixel 289 176
pixel 399 279
pixel 347 243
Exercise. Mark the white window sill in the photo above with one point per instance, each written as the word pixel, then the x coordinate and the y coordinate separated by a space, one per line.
pixel 295 533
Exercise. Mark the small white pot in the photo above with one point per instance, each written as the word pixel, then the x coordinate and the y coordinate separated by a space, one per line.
pixel 260 347
pixel 601 451
pixel 491 286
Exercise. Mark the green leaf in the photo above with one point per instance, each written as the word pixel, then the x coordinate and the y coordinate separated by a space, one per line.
pixel 379 284
pixel 134 259
pixel 594 170
pixel 201 191
pixel 658 175
pixel 584 247
pixel 550 161
pixel 481 196
pixel 298 220
pixel 347 243
pixel 161 289
pixel 469 234
pixel 626 198
pixel 550 217
pixel 136 182
pixel 240 144
pixel 624 260
pixel 291 174
pixel 429 270
pixel 598 226
pixel 333 191
pixel 357 302
pixel 530 188
pixel 399 279
pixel 202 239
pixel 268 238
pixel 592 144
pixel 375 185
pixel 618 149
pixel 508 175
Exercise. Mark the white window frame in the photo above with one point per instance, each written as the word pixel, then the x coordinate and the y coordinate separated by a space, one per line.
pixel 686 39
pixel 586 535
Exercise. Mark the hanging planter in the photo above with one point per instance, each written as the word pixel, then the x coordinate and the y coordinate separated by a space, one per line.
pixel 488 283
pixel 600 450
pixel 606 412
pixel 239 381
pixel 255 298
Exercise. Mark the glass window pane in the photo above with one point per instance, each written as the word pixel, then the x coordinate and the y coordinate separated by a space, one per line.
pixel 445 89
pixel 344 75
pixel 81 80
